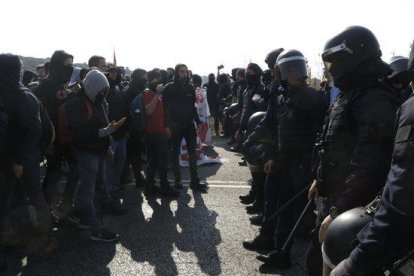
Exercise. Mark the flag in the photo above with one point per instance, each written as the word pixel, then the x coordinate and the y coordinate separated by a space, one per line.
pixel 114 60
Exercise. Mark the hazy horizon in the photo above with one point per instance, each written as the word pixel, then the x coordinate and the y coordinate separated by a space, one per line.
pixel 201 34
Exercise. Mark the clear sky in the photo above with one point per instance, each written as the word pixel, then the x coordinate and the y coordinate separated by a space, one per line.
pixel 200 33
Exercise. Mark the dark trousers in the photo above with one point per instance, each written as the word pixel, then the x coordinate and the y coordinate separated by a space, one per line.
pixel 189 134
pixel 25 190
pixel 259 179
pixel 295 175
pixel 271 197
pixel 54 172
pixel 135 147
pixel 158 158
pixel 314 262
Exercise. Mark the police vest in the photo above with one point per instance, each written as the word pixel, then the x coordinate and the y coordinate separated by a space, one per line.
pixel 296 127
pixel 339 140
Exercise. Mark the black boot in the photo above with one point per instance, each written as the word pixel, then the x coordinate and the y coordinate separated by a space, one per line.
pixel 167 190
pixel 247 199
pixel 260 242
pixel 257 220
pixel 255 208
pixel 277 259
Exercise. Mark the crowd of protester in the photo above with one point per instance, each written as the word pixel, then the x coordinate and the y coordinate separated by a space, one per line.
pixel 91 127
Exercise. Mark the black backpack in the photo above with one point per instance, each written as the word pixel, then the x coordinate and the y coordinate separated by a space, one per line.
pixel 137 115
pixel 48 130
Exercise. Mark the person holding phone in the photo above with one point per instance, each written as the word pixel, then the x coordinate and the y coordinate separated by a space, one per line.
pixel 157 136
pixel 87 118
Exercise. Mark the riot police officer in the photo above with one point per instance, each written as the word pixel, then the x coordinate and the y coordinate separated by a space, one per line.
pixel 299 116
pixel 266 127
pixel 390 236
pixel 400 77
pixel 357 139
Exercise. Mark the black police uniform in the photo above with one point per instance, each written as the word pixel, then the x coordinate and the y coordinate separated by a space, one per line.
pixel 390 236
pixel 356 145
pixel 300 114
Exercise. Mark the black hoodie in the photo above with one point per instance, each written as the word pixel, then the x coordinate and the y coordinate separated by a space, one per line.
pixel 24 129
pixel 118 106
pixel 51 91
pixel 179 103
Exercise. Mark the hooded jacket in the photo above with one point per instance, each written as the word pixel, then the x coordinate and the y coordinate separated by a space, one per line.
pixel 118 107
pixel 86 124
pixel 24 128
pixel 179 103
pixel 213 90
pixel 51 91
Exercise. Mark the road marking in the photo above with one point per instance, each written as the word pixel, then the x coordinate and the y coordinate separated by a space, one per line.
pixel 216 184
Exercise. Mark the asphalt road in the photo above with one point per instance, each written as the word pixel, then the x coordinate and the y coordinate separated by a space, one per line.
pixel 196 234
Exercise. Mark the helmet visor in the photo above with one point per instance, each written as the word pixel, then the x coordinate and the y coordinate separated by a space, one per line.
pixel 293 68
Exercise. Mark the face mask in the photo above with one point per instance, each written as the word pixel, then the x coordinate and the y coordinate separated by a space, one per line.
pixel 153 86
pixel 142 83
pixel 67 73
pixel 99 98
pixel 252 79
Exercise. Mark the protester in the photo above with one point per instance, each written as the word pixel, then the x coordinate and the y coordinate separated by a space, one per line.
pixel 180 116
pixel 20 167
pixel 157 136
pixel 87 117
pixel 136 129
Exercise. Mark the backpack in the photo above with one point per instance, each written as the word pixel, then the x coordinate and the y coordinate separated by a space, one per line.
pixel 137 114
pixel 4 125
pixel 65 134
pixel 48 130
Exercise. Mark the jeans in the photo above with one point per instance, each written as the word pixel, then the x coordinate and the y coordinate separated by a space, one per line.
pixel 115 167
pixel 91 172
pixel 190 136
pixel 158 158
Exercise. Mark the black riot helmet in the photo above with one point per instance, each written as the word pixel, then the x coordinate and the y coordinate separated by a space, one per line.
pixel 348 50
pixel 272 57
pixel 231 110
pixel 398 65
pixel 400 75
pixel 411 59
pixel 254 121
pixel 340 238
pixel 291 64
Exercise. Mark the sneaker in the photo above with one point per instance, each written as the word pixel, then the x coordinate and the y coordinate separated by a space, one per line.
pixel 167 190
pixel 178 185
pixel 197 186
pixel 104 235
pixel 151 190
pixel 115 208
pixel 76 220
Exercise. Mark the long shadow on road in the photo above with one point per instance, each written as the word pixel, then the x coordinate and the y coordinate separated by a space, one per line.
pixel 192 229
